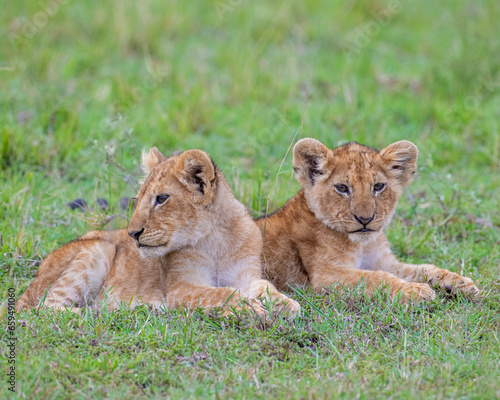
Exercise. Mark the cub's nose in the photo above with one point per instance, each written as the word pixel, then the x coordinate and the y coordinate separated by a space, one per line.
pixel 136 234
pixel 364 220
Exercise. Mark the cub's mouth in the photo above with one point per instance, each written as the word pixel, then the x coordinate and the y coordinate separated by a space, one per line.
pixel 146 246
pixel 363 230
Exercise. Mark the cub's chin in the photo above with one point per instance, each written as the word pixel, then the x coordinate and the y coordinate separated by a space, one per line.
pixel 153 251
pixel 363 236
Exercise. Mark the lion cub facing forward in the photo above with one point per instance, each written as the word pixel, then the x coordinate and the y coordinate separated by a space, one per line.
pixel 189 243
pixel 332 229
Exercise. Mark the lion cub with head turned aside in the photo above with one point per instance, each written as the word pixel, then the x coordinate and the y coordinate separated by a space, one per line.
pixel 332 229
pixel 189 243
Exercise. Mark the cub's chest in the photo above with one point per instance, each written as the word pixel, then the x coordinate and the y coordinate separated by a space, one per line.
pixel 368 257
pixel 215 269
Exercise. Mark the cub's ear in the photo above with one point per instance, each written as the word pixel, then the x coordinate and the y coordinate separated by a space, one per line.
pixel 197 170
pixel 151 159
pixel 400 161
pixel 310 157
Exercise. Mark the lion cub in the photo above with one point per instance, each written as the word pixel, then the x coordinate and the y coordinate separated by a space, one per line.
pixel 189 243
pixel 332 230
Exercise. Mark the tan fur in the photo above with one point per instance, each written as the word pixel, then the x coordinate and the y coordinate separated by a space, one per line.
pixel 198 248
pixel 312 241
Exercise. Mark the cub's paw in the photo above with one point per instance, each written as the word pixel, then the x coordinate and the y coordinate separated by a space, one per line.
pixel 417 292
pixel 249 304
pixel 289 305
pixel 260 310
pixel 454 283
pixel 461 284
pixel 256 305
pixel 281 303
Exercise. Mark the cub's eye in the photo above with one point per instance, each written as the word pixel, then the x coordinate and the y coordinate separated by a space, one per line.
pixel 378 187
pixel 342 189
pixel 161 199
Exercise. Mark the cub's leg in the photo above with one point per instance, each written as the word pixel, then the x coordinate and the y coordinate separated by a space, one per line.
pixel 71 276
pixel 372 279
pixel 188 282
pixel 185 294
pixel 433 275
pixel 426 273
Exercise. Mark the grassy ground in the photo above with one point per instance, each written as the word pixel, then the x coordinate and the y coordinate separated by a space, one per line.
pixel 86 85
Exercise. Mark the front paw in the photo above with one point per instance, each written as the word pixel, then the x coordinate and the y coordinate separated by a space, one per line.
pixel 257 306
pixel 464 285
pixel 283 303
pixel 417 292
pixel 455 283
pixel 290 306
pixel 250 304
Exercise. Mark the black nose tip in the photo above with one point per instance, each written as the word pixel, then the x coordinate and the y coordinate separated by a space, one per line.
pixel 363 220
pixel 136 234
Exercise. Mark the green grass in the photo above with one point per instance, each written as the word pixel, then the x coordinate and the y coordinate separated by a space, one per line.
pixel 97 82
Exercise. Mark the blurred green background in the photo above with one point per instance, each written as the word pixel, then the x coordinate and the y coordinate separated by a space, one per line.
pixel 86 85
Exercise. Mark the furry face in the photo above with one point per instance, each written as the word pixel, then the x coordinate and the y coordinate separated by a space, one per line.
pixel 354 189
pixel 173 202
